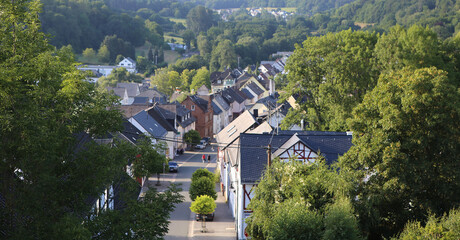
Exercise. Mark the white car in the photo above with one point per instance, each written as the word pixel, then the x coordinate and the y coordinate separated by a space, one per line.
pixel 200 146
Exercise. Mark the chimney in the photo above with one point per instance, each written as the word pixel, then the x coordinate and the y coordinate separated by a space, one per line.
pixel 256 113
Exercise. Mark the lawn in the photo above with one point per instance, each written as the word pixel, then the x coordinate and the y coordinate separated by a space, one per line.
pixel 179 20
pixel 171 56
pixel 176 39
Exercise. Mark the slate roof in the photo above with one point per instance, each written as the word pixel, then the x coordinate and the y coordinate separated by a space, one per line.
pixel 117 91
pixel 140 101
pixel 216 109
pixel 254 154
pixel 256 89
pixel 150 124
pixel 231 96
pixel 247 93
pixel 221 101
pixel 131 88
pixel 130 132
pixel 154 95
pixel 203 104
pixel 170 110
pixel 156 114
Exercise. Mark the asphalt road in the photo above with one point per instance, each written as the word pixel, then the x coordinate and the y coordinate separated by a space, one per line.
pixel 183 225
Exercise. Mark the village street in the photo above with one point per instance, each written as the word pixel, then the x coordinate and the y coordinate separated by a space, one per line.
pixel 183 224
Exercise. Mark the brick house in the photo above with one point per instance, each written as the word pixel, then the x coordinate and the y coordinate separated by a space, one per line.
pixel 202 110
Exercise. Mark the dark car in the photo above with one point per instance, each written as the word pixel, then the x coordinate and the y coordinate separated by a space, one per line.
pixel 207 217
pixel 173 166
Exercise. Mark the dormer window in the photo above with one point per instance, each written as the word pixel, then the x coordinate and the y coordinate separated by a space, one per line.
pixel 219 82
pixel 193 107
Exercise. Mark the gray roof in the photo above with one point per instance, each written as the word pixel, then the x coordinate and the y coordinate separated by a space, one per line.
pixel 155 112
pixel 233 130
pixel 247 93
pixel 221 102
pixel 254 153
pixel 130 132
pixel 117 91
pixel 140 101
pixel 150 124
pixel 231 96
pixel 203 104
pixel 216 109
pixel 132 88
pixel 154 95
pixel 256 89
pixel 171 110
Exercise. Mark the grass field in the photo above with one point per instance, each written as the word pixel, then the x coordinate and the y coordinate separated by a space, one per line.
pixel 171 56
pixel 179 20
pixel 177 39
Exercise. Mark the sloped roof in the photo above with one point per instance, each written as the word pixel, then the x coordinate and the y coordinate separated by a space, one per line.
pixel 117 91
pixel 220 100
pixel 150 124
pixel 131 88
pixel 140 101
pixel 200 102
pixel 256 89
pixel 233 130
pixel 170 110
pixel 231 96
pixel 156 114
pixel 154 95
pixel 247 93
pixel 254 153
pixel 216 109
pixel 130 132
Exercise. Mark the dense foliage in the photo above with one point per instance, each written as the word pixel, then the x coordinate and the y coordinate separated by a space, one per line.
pixel 48 175
pixel 302 201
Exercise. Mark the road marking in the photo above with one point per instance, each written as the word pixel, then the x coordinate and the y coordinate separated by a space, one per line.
pixel 191 226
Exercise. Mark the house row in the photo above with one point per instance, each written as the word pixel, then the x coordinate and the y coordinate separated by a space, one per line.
pixel 246 146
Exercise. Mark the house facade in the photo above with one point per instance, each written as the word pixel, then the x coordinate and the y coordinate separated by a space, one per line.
pixel 201 109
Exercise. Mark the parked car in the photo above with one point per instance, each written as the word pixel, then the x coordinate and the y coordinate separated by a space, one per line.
pixel 200 146
pixel 207 217
pixel 173 167
pixel 205 140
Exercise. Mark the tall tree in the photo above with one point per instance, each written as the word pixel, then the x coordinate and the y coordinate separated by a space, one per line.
pixel 223 56
pixel 200 19
pixel 406 147
pixel 201 78
pixel 332 73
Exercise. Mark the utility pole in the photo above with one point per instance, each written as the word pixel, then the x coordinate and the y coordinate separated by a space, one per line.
pixel 269 155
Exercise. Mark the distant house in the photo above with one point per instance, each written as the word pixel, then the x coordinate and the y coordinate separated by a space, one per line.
pixel 148 126
pixel 104 70
pixel 222 80
pixel 202 110
pixel 175 46
pixel 202 91
pixel 227 113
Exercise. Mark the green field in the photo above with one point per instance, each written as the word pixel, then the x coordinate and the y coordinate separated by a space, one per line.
pixel 176 39
pixel 179 20
pixel 171 56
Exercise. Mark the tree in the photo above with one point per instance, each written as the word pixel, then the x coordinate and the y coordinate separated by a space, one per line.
pixel 303 201
pixel 202 186
pixel 89 53
pixel 204 46
pixel 406 147
pixel 203 205
pixel 103 54
pixel 174 80
pixel 150 55
pixel 332 73
pixel 200 19
pixel 186 78
pixel 202 172
pixel 223 56
pixel 201 78
pixel 161 81
pixel 48 111
pixel 188 36
pixel 137 219
pixel 445 227
pixel 192 137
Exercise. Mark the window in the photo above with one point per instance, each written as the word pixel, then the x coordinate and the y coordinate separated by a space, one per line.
pixel 193 107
